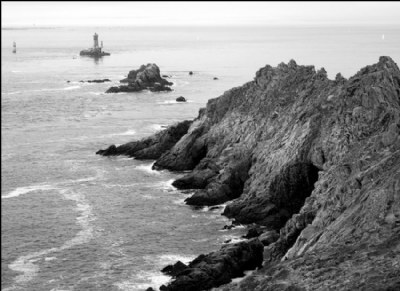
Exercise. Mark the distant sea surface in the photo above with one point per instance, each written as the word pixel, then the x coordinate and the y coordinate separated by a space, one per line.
pixel 73 220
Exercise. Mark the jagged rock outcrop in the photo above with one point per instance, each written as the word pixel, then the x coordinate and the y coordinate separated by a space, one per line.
pixel 217 268
pixel 314 159
pixel 152 147
pixel 146 77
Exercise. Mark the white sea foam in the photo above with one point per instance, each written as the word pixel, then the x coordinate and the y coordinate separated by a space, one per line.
pixel 157 127
pixel 231 239
pixel 25 264
pixel 215 208
pixel 24 190
pixel 44 90
pixel 167 185
pixel 180 201
pixel 71 88
pixel 143 280
pixel 128 132
pixel 96 93
pixel 167 259
pixel 173 102
pixel 246 274
pixel 147 168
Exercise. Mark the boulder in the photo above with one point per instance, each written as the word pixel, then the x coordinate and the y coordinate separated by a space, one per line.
pixel 252 232
pixel 174 270
pixel 181 99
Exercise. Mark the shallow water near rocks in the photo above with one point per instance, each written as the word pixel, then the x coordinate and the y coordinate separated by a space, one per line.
pixel 72 220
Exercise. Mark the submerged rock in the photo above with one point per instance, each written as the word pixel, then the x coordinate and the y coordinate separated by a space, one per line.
pixel 146 77
pixel 99 81
pixel 314 159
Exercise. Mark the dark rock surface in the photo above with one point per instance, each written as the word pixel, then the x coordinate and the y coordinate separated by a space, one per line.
pixel 268 237
pixel 314 159
pixel 146 77
pixel 253 232
pixel 94 53
pixel 99 81
pixel 181 99
pixel 175 269
pixel 96 81
pixel 152 147
pixel 217 268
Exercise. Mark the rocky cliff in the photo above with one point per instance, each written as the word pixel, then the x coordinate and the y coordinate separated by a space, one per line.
pixel 315 159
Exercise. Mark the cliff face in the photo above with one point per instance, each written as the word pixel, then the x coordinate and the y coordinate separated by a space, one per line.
pixel 317 160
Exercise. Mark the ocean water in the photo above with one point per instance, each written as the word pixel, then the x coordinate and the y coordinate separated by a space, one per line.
pixel 73 220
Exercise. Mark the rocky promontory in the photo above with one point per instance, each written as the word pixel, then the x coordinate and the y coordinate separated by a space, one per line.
pixel 146 77
pixel 314 161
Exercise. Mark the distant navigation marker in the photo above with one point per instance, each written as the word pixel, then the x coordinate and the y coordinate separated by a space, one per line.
pixel 14 47
pixel 96 51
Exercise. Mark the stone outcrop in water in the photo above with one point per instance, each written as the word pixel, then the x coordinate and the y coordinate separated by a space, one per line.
pixel 314 159
pixel 96 81
pixel 146 77
pixel 180 99
pixel 152 147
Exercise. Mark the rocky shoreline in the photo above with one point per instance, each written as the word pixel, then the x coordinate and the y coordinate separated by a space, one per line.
pixel 314 162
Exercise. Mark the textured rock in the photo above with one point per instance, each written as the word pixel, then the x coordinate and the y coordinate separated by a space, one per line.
pixel 152 147
pixel 268 237
pixel 217 268
pixel 146 77
pixel 175 269
pixel 314 159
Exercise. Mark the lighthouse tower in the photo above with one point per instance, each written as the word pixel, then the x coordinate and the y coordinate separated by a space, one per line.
pixel 95 41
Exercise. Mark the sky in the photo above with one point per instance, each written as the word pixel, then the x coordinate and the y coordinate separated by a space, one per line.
pixel 135 13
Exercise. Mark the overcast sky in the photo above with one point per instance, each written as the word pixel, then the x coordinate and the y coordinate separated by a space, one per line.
pixel 58 13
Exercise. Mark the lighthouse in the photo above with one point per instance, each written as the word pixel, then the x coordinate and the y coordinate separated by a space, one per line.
pixel 96 51
pixel 95 41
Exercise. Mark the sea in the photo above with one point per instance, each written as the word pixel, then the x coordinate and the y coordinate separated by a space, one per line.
pixel 74 220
